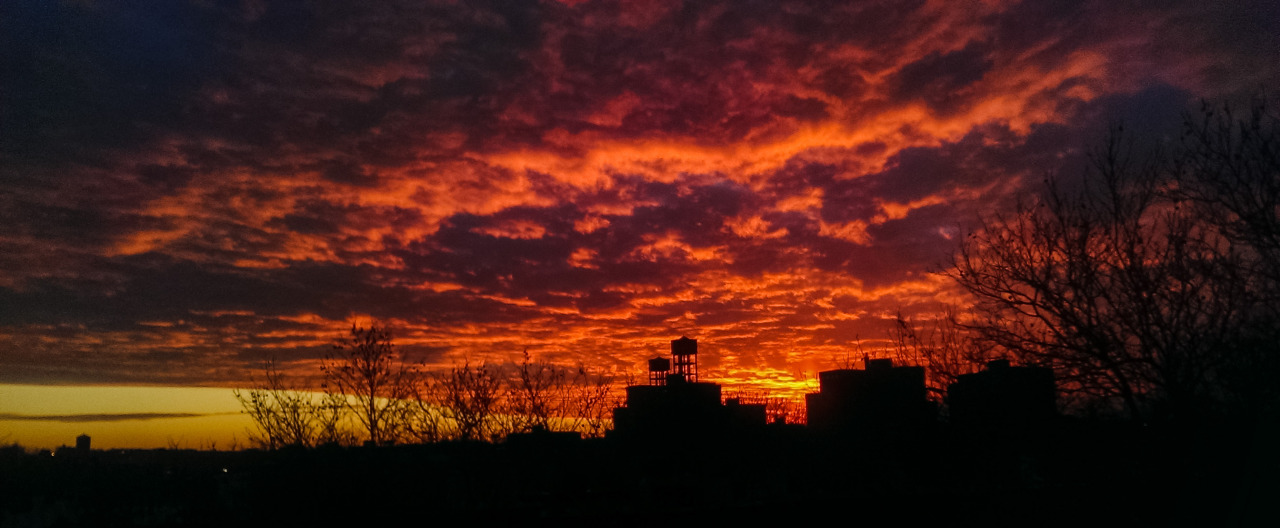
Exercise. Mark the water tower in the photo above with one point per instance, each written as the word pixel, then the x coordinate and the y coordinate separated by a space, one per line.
pixel 659 369
pixel 684 356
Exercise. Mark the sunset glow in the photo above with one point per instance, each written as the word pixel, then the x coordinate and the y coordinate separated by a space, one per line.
pixel 192 188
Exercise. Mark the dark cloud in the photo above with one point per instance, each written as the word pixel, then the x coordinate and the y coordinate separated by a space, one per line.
pixel 943 81
pixel 848 200
pixel 321 217
pixel 82 78
pixel 154 288
pixel 105 417
pixel 348 172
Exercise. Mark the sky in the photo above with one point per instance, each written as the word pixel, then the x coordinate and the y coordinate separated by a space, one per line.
pixel 190 188
pixel 122 417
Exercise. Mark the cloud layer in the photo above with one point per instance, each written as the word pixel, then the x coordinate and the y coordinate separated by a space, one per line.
pixel 188 189
pixel 105 417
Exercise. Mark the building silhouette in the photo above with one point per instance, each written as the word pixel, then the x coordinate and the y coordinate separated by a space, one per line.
pixel 675 402
pixel 881 399
pixel 1003 395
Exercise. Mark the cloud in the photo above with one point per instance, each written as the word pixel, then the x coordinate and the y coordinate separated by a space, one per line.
pixel 104 417
pixel 191 189
pixel 942 80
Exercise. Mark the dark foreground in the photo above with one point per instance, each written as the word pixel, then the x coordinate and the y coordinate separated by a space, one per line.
pixel 1067 474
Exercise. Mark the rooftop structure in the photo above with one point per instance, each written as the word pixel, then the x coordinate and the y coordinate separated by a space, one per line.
pixel 675 402
pixel 879 398
pixel 1003 395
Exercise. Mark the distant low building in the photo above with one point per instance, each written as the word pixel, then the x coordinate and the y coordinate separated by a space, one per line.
pixel 879 399
pixel 80 450
pixel 674 402
pixel 1003 395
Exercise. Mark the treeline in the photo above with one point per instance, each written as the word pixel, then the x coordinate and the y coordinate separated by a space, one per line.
pixel 370 396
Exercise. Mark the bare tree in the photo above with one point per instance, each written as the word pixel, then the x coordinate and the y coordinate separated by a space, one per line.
pixel 287 415
pixel 331 414
pixel 1229 167
pixel 589 401
pixel 943 346
pixel 1118 285
pixel 375 384
pixel 534 395
pixel 488 402
pixel 777 409
pixel 780 409
pixel 471 397
pixel 541 395
pixel 431 420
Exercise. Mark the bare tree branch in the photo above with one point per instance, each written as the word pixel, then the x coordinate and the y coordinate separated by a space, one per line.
pixel 378 388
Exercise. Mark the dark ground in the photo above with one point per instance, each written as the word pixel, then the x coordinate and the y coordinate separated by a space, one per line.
pixel 1065 474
